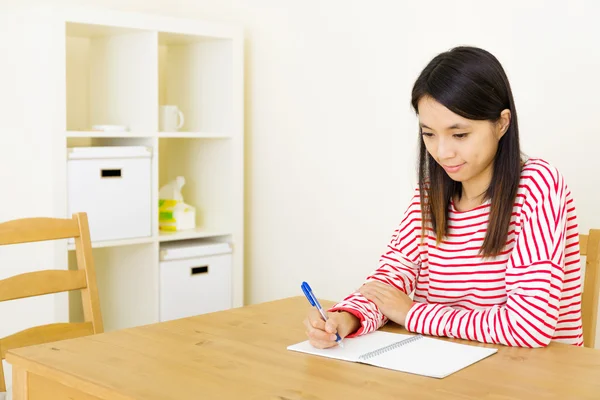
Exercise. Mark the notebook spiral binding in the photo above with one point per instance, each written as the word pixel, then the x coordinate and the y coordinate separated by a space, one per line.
pixel 389 347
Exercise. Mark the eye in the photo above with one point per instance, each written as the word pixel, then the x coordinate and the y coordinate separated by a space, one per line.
pixel 460 135
pixel 427 134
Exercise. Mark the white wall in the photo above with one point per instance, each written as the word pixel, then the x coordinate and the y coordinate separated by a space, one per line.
pixel 331 138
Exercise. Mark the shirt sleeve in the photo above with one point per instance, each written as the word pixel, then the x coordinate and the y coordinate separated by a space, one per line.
pixel 534 280
pixel 398 266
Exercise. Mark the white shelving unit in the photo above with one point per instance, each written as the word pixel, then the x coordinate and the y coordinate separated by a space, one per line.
pixel 114 68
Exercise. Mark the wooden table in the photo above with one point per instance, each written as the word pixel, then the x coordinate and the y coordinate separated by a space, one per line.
pixel 241 354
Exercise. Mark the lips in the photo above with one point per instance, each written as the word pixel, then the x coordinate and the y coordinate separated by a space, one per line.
pixel 453 168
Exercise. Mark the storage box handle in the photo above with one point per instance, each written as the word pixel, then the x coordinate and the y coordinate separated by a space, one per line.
pixel 199 270
pixel 110 173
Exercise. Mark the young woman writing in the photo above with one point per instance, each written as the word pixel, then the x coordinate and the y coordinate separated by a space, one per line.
pixel 489 242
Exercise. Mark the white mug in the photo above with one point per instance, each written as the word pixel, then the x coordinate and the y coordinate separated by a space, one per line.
pixel 170 118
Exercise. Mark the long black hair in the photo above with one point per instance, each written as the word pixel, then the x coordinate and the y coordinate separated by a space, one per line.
pixel 470 82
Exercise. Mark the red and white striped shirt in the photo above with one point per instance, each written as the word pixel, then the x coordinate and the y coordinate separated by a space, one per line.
pixel 527 296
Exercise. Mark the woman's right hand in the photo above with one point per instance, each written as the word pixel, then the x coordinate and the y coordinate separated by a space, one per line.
pixel 321 334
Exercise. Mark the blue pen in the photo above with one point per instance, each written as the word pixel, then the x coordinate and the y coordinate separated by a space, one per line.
pixel 315 303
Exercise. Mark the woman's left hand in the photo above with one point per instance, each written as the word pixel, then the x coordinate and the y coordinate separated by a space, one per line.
pixel 392 303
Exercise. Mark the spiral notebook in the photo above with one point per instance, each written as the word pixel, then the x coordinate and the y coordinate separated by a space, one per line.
pixel 415 354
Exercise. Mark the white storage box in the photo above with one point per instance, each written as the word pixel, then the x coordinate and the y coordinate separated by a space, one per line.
pixel 195 278
pixel 113 186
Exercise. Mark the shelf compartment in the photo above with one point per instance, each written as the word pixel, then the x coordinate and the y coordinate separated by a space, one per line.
pixel 206 165
pixel 196 75
pixel 110 75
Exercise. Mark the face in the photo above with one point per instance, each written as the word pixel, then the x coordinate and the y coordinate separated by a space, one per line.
pixel 464 148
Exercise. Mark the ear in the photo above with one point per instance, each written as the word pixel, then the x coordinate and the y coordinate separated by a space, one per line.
pixel 503 123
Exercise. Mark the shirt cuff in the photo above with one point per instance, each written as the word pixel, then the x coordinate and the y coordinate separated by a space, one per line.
pixel 410 320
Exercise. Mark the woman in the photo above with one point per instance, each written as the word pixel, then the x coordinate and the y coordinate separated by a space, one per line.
pixel 489 243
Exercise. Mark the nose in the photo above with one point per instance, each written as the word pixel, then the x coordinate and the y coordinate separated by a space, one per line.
pixel 445 149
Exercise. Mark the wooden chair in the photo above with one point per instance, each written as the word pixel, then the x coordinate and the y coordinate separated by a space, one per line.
pixel 51 281
pixel 590 248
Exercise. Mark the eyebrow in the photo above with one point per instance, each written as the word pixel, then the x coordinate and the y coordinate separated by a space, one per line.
pixel 455 126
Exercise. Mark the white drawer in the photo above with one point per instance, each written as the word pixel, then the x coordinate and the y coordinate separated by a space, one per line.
pixel 195 286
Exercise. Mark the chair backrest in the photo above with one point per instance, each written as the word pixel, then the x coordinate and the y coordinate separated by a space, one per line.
pixel 590 248
pixel 51 281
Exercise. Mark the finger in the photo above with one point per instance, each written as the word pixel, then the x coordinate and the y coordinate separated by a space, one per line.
pixel 367 285
pixel 320 336
pixel 383 291
pixel 316 327
pixel 380 286
pixel 321 344
pixel 370 291
pixel 373 296
pixel 389 292
pixel 331 325
pixel 378 300
pixel 316 321
pixel 381 294
pixel 365 289
pixel 318 324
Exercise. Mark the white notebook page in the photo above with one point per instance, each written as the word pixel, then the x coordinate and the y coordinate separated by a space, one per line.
pixel 423 355
pixel 353 347
pixel 431 357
